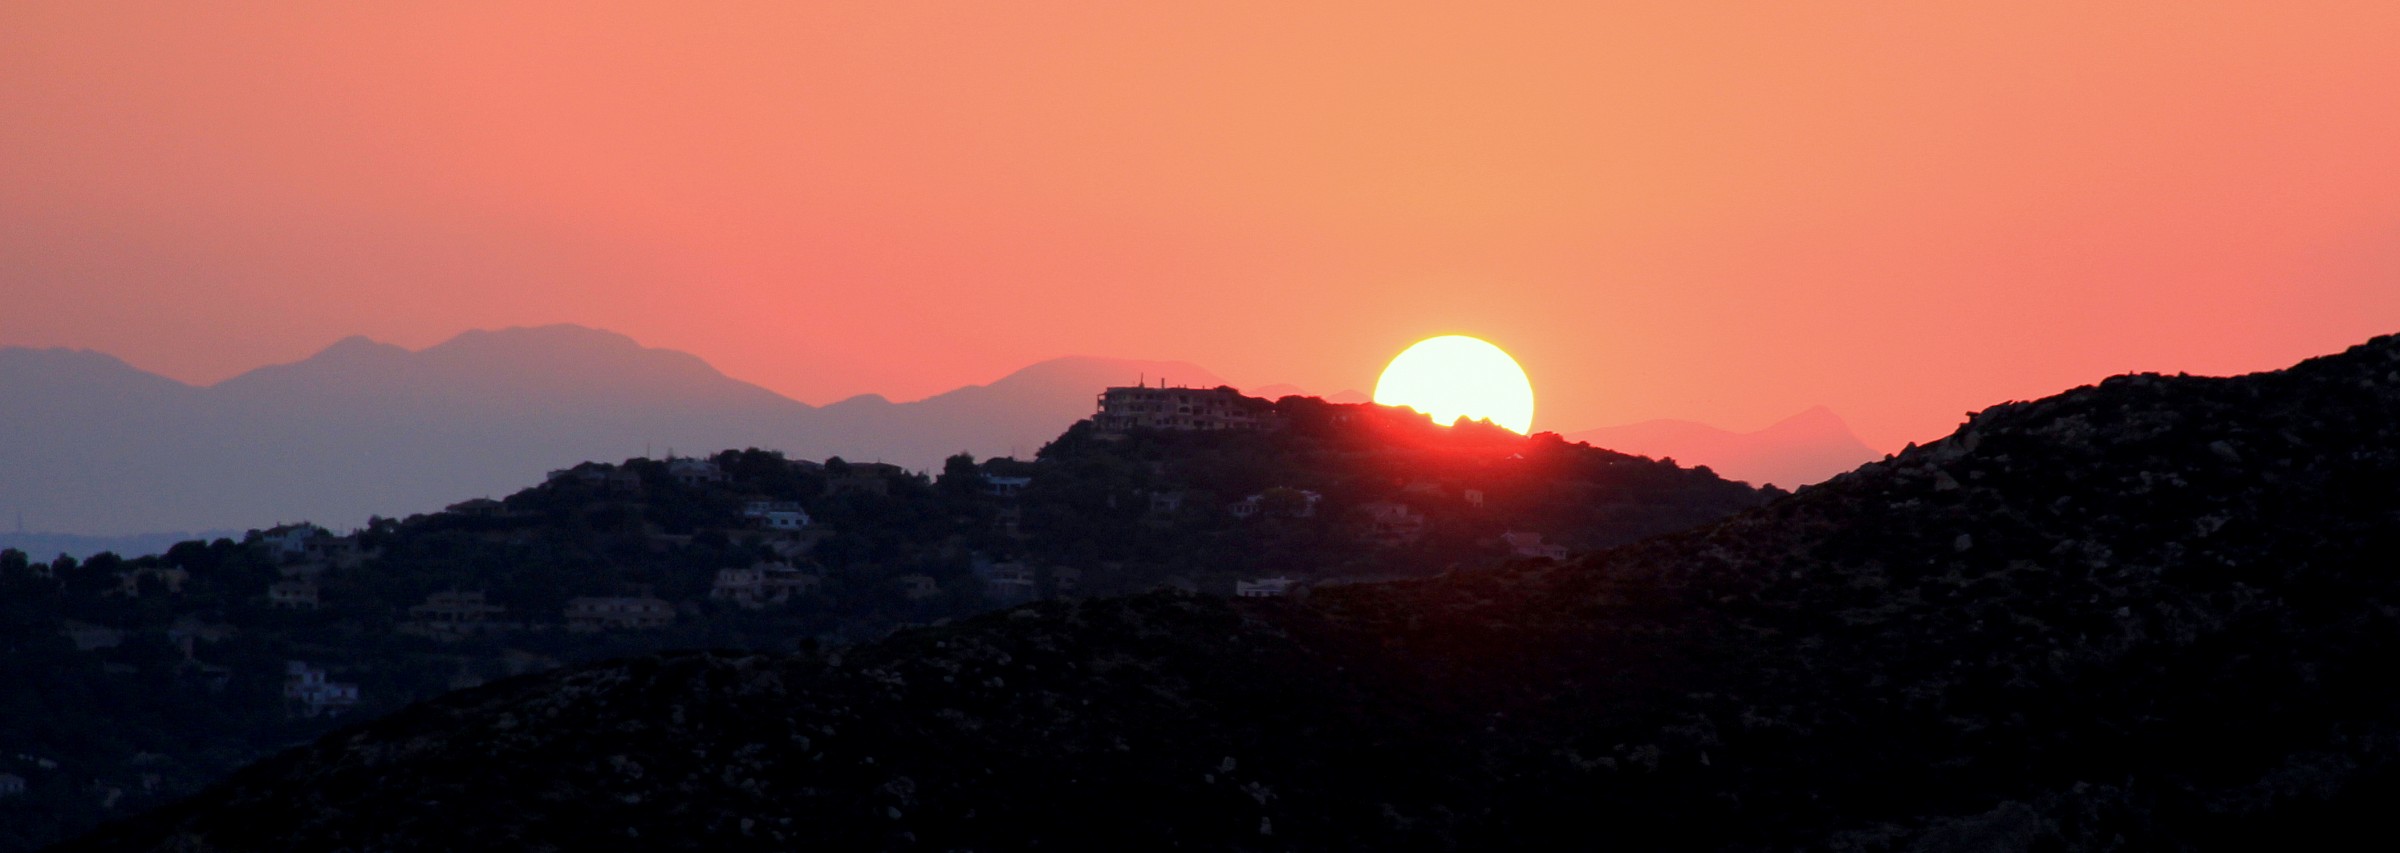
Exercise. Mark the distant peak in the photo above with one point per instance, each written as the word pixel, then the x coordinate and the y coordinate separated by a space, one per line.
pixel 549 335
pixel 1089 372
pixel 1816 417
pixel 360 345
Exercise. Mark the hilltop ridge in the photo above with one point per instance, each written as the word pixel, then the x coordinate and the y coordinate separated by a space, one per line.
pixel 135 680
pixel 2156 612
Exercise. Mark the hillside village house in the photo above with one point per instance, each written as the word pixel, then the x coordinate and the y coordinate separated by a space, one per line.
pixel 618 613
pixel 1144 407
pixel 311 695
pixel 1007 583
pixel 1525 544
pixel 11 785
pixel 776 515
pixel 1016 583
pixel 297 594
pixel 291 541
pixel 452 614
pixel 1255 505
pixel 695 472
pixel 1393 523
pixel 1005 487
pixel 761 584
pixel 1263 588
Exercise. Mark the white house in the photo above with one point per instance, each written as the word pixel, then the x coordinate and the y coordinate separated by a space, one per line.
pixel 312 695
pixel 776 515
pixel 1264 588
pixel 451 614
pixel 1006 487
pixel 1527 544
pixel 292 540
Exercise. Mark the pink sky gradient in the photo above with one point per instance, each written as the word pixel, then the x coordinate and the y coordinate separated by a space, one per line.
pixel 1902 211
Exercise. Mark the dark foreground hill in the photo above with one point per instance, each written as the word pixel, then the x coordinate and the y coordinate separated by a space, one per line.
pixel 2158 613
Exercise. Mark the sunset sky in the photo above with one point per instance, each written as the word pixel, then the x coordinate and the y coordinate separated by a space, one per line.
pixel 1721 212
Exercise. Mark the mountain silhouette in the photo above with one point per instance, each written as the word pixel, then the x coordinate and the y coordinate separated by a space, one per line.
pixel 1796 451
pixel 91 445
pixel 2157 613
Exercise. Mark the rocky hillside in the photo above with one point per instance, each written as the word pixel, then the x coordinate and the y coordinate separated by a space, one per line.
pixel 2158 613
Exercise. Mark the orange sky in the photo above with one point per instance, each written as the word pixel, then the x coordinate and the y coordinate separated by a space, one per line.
pixel 1901 210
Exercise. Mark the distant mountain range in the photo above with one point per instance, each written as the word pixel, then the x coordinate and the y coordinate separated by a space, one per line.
pixel 1799 450
pixel 92 445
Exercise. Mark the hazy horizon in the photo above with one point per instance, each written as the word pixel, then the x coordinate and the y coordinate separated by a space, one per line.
pixel 364 428
pixel 1663 211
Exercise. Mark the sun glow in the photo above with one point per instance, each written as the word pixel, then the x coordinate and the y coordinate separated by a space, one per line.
pixel 1455 375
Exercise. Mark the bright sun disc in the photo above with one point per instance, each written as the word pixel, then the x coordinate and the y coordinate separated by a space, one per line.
pixel 1455 375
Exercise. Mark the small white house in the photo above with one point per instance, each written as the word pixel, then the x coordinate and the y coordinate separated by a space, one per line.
pixel 1527 544
pixel 1005 487
pixel 292 539
pixel 776 515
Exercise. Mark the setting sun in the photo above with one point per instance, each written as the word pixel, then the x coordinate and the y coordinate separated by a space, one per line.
pixel 1455 375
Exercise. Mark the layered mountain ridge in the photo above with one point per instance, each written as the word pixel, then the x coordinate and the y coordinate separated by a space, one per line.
pixel 1796 451
pixel 2155 613
pixel 94 445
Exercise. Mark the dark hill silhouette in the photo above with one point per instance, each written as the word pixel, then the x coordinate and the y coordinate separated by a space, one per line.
pixel 2152 614
pixel 92 445
pixel 1793 452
